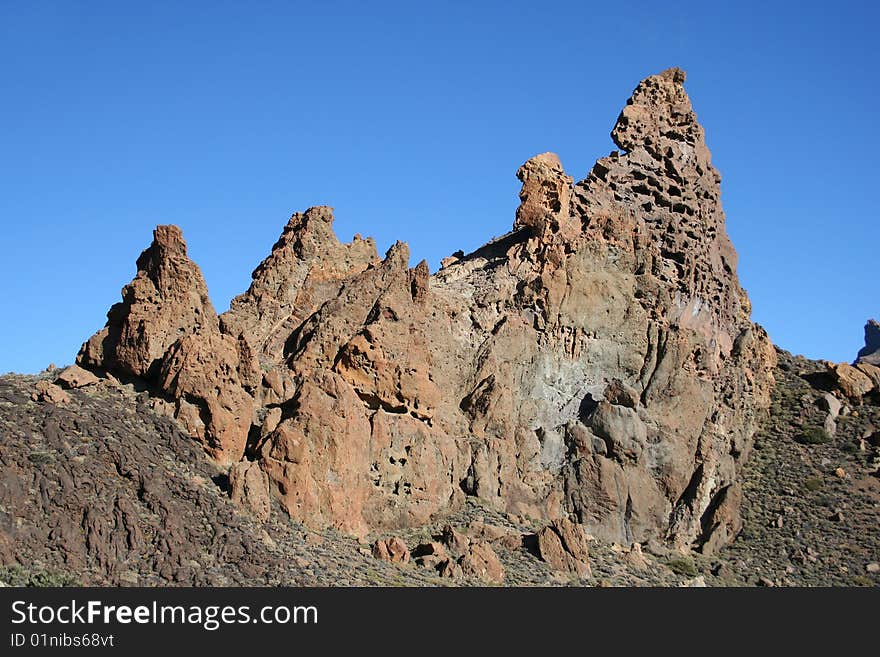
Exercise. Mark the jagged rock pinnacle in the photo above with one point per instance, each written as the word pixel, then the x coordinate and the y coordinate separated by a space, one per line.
pixel 545 198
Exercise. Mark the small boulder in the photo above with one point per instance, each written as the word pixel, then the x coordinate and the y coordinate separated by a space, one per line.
pixel 250 489
pixel 563 545
pixel 76 377
pixel 449 569
pixel 481 562
pixel 621 394
pixel 456 541
pixel 392 549
pixel 47 392
pixel 494 534
pixel 853 383
pixel 430 555
pixel 636 558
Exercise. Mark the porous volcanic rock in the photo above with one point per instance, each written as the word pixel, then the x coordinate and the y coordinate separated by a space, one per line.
pixel 598 362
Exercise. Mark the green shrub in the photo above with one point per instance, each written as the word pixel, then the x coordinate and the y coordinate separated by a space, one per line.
pixel 39 457
pixel 813 436
pixel 813 483
pixel 683 566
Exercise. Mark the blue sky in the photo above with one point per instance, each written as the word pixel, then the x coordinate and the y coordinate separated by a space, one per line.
pixel 410 119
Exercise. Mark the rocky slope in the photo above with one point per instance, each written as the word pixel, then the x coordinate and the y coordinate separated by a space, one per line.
pixel 596 363
pixel 97 488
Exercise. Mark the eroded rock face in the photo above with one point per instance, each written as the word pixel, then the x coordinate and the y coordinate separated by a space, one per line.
pixel 597 362
pixel 165 330
pixel 167 298
pixel 304 270
pixel 563 545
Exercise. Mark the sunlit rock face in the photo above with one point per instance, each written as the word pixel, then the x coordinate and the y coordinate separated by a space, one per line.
pixel 597 363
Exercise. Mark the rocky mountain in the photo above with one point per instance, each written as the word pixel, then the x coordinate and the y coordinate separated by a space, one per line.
pixel 581 388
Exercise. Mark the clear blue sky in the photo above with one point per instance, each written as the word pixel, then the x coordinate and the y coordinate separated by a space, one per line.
pixel 410 119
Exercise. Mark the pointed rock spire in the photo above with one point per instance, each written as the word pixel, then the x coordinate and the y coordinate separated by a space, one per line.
pixel 303 270
pixel 166 299
pixel 545 197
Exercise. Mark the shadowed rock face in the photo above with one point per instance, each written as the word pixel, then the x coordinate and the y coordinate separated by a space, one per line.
pixel 598 362
pixel 870 353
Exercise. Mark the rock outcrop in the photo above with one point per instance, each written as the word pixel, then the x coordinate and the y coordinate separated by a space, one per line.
pixel 165 330
pixel 563 545
pixel 870 353
pixel 860 381
pixel 598 362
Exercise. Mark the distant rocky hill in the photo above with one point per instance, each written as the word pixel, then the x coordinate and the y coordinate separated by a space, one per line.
pixel 870 353
pixel 576 401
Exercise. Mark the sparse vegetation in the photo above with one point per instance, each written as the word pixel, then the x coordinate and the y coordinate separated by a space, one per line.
pixel 813 436
pixel 682 566
pixel 39 457
pixel 813 483
pixel 20 576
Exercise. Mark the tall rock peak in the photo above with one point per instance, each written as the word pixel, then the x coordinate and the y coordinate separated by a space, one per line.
pixel 306 266
pixel 168 297
pixel 658 111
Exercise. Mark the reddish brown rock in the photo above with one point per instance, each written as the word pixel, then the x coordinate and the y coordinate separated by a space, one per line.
pixel 851 381
pixel 75 377
pixel 166 299
pixel 545 198
pixel 723 521
pixel 430 555
pixel 457 542
pixel 597 362
pixel 449 569
pixel 250 489
pixel 392 549
pixel 166 331
pixel 45 391
pixel 871 371
pixel 481 562
pixel 563 545
pixel 492 533
pixel 201 372
pixel 304 270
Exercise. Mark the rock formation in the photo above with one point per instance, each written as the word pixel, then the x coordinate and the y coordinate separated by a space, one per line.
pixel 597 363
pixel 859 381
pixel 870 353
pixel 563 545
